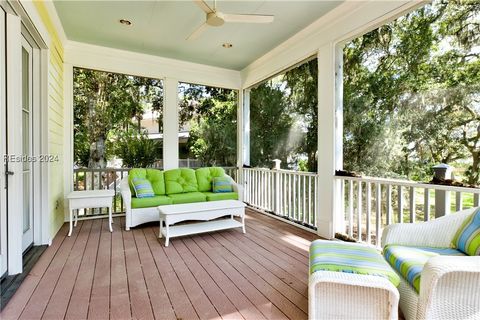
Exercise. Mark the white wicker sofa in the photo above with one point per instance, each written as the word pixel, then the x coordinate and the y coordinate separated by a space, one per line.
pixel 138 216
pixel 449 285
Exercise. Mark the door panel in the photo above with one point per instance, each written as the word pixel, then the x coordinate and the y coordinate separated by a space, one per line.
pixel 3 142
pixel 27 122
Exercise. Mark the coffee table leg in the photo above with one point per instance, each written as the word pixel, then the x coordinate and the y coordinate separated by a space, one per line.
pixel 167 234
pixel 243 222
pixel 160 230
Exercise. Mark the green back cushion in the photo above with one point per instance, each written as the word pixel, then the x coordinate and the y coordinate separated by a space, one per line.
pixel 180 181
pixel 157 180
pixel 143 188
pixel 153 175
pixel 205 176
pixel 221 185
pixel 467 238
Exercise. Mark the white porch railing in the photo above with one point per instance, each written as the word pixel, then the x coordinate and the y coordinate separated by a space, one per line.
pixel 370 204
pixel 288 194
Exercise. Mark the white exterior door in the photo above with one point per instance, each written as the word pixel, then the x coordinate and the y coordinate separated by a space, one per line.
pixel 27 125
pixel 3 151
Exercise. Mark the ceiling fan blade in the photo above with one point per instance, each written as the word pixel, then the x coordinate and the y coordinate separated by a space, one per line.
pixel 203 5
pixel 248 18
pixel 195 34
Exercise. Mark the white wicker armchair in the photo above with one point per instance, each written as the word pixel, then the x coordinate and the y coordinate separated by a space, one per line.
pixel 450 285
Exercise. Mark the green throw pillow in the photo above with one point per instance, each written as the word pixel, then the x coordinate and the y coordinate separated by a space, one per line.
pixel 143 188
pixel 467 238
pixel 221 184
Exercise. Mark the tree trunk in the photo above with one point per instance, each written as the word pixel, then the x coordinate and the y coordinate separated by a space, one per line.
pixel 97 154
pixel 474 177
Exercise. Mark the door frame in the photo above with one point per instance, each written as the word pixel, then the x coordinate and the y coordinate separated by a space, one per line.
pixel 3 146
pixel 23 16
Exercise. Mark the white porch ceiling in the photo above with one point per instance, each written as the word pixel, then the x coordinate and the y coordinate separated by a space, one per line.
pixel 161 27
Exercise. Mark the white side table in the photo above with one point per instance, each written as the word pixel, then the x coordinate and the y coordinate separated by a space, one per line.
pixel 90 199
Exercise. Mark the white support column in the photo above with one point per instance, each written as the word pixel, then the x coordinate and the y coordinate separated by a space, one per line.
pixel 68 150
pixel 240 136
pixel 246 127
pixel 170 124
pixel 330 126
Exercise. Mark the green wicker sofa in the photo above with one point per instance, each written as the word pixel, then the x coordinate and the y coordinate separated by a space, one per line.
pixel 175 186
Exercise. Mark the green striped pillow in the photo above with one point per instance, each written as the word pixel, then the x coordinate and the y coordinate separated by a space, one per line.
pixel 221 184
pixel 467 238
pixel 143 188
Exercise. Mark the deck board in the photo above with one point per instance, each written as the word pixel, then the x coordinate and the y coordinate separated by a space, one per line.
pixel 96 274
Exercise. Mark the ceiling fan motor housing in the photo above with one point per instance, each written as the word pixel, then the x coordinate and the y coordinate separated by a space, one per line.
pixel 215 19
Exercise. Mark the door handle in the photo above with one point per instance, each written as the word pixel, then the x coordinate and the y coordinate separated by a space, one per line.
pixel 9 173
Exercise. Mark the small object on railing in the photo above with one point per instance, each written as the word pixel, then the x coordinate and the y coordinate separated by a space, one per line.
pixel 451 182
pixel 344 237
pixel 344 173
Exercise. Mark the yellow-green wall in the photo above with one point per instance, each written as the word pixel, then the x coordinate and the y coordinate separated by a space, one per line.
pixel 55 111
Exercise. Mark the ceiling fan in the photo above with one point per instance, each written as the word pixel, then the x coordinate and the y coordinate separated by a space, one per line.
pixel 215 18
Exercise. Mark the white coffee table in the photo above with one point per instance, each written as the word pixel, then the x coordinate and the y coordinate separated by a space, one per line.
pixel 203 212
pixel 90 199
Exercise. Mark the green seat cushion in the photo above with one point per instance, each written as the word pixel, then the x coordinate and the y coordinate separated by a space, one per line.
pixel 467 238
pixel 180 181
pixel 155 177
pixel 189 197
pixel 350 258
pixel 205 176
pixel 222 184
pixel 150 202
pixel 221 196
pixel 409 261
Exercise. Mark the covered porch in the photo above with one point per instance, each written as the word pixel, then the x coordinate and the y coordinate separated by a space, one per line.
pixel 263 274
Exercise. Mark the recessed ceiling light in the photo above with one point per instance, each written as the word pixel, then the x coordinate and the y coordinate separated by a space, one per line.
pixel 125 22
pixel 227 45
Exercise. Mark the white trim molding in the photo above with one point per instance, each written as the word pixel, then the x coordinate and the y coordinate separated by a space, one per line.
pixel 14 116
pixel 139 64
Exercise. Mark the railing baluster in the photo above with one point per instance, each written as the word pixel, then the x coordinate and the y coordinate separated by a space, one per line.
pixel 400 204
pixel 304 197
pixel 412 205
pixel 426 204
pixel 378 213
pixel 290 209
pixel 459 201
pixel 350 208
pixel 310 199
pixel 359 210
pixel 389 204
pixel 369 211
pixel 294 197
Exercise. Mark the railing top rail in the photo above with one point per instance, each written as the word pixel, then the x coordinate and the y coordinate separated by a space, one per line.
pixel 305 173
pixel 408 183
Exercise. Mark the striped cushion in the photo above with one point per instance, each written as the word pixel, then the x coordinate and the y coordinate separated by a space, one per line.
pixel 467 238
pixel 409 261
pixel 221 184
pixel 350 258
pixel 143 188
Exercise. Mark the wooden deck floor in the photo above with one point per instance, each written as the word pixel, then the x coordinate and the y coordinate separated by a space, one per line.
pixel 95 274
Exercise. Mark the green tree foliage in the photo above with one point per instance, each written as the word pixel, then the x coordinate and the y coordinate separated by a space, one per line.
pixel 411 93
pixel 136 149
pixel 105 104
pixel 283 119
pixel 210 115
